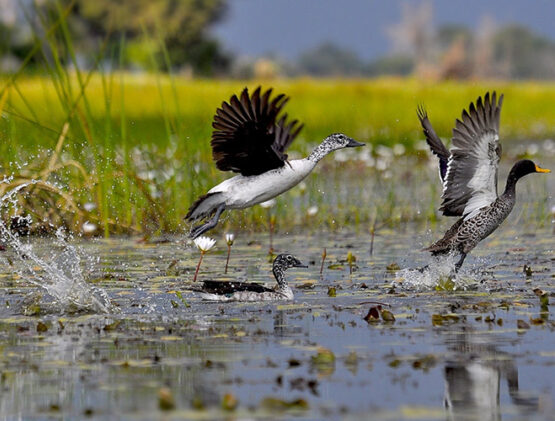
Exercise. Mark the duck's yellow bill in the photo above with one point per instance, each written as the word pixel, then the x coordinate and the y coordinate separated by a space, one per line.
pixel 538 169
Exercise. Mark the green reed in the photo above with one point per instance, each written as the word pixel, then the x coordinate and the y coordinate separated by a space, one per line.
pixel 132 151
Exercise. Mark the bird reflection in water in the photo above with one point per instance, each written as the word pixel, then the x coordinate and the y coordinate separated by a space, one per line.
pixel 473 377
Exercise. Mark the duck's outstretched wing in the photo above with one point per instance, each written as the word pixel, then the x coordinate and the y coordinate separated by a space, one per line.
pixel 433 141
pixel 471 179
pixel 248 138
pixel 225 287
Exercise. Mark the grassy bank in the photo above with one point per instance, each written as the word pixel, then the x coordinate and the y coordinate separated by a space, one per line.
pixel 129 153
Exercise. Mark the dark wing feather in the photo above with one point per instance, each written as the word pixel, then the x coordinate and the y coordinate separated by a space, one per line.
pixel 224 287
pixel 248 138
pixel 433 141
pixel 471 181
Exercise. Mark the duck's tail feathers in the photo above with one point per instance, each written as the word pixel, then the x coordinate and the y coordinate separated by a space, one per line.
pixel 204 206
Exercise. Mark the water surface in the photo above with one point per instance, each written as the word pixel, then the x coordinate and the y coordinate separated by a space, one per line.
pixel 482 353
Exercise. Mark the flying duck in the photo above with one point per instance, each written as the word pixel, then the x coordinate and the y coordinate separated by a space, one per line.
pixel 250 138
pixel 469 175
pixel 247 291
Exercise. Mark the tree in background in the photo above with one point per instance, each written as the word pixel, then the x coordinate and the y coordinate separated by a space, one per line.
pixel 153 32
pixel 523 54
pixel 457 52
pixel 15 39
pixel 414 36
pixel 330 60
pixel 150 26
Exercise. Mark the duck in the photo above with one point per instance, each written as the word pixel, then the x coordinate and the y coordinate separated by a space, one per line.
pixel 469 175
pixel 250 138
pixel 247 291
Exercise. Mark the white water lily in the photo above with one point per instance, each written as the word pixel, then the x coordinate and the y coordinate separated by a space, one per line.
pixel 89 206
pixel 229 238
pixel 205 244
pixel 268 203
pixel 399 149
pixel 89 227
pixel 311 211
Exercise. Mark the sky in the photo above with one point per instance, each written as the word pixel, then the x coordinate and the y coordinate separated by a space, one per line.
pixel 289 27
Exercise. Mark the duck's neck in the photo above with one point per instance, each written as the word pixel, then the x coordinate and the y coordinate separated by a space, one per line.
pixel 279 274
pixel 320 151
pixel 510 187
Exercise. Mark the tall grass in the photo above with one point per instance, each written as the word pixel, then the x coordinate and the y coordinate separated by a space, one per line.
pixel 130 152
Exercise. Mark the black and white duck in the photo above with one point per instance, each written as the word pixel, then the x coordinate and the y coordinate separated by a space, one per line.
pixel 248 291
pixel 469 175
pixel 250 138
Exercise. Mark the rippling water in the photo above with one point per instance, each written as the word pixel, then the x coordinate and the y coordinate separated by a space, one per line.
pixel 481 353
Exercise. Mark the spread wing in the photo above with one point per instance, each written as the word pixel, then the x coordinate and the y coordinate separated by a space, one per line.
pixel 248 138
pixel 433 141
pixel 471 180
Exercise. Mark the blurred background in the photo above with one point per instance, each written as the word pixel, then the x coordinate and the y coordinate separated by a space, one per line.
pixel 248 38
pixel 110 104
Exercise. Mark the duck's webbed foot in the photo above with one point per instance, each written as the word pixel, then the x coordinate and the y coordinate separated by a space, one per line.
pixel 208 225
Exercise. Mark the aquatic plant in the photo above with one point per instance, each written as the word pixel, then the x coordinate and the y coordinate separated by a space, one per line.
pixel 351 260
pixel 128 152
pixel 268 204
pixel 324 254
pixel 204 244
pixel 229 238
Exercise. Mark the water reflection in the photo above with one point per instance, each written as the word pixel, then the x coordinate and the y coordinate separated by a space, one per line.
pixel 84 369
pixel 474 374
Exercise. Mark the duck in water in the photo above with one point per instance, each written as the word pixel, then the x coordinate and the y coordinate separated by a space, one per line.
pixel 469 175
pixel 247 291
pixel 249 139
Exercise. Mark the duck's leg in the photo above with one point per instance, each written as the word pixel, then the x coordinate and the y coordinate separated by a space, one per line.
pixel 200 229
pixel 460 262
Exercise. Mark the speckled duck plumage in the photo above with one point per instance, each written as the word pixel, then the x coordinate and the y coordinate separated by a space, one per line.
pixel 223 291
pixel 469 175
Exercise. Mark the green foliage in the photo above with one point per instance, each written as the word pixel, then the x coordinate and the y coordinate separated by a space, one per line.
pixel 179 25
pixel 390 65
pixel 173 31
pixel 330 60
pixel 526 54
pixel 138 146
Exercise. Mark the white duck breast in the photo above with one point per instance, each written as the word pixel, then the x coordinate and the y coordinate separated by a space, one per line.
pixel 285 294
pixel 250 138
pixel 242 192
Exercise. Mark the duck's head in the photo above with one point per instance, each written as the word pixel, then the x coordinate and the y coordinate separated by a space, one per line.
pixel 339 141
pixel 525 167
pixel 281 264
pixel 286 261
pixel 332 143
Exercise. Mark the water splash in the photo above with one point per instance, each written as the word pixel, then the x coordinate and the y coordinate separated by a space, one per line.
pixel 60 275
pixel 438 275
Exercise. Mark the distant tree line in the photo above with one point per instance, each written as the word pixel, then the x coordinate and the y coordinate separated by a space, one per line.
pixel 419 48
pixel 175 35
pixel 135 34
